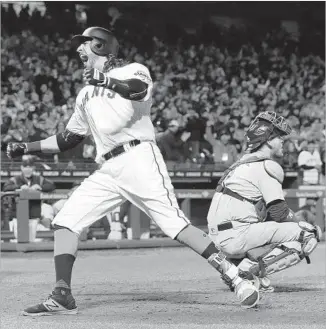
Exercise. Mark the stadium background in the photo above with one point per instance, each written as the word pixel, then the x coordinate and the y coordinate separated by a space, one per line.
pixel 216 63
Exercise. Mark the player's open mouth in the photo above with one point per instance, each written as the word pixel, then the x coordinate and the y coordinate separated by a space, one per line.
pixel 84 58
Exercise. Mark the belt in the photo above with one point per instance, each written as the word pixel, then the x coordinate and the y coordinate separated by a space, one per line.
pixel 228 225
pixel 121 149
pixel 224 226
pixel 227 191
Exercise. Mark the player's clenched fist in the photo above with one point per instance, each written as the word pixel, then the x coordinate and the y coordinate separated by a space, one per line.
pixel 95 77
pixel 15 150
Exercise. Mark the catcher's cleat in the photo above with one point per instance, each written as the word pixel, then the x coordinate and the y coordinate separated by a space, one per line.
pixel 55 304
pixel 247 293
pixel 246 289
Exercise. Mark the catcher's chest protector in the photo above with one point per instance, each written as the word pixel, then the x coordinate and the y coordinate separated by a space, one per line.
pixel 251 159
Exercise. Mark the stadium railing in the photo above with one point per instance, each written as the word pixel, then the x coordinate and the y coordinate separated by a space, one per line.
pixel 139 222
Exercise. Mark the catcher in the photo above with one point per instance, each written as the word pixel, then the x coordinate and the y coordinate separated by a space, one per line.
pixel 249 219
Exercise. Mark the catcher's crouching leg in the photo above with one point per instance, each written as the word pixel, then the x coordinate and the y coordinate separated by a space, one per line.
pixel 270 259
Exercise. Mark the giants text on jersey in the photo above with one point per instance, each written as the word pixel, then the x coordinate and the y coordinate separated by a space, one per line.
pixel 110 118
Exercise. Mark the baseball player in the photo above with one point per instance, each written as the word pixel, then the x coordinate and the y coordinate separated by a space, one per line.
pixel 117 115
pixel 116 219
pixel 249 219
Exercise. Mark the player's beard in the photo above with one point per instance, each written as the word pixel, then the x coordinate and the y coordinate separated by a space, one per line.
pixel 113 62
pixel 279 152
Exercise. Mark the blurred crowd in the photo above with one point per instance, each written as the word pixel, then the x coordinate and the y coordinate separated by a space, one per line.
pixel 205 94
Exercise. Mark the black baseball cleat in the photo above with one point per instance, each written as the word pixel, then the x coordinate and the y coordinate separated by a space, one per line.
pixel 55 304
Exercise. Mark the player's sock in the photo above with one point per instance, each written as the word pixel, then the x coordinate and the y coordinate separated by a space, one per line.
pixel 210 250
pixel 198 241
pixel 63 269
pixel 65 252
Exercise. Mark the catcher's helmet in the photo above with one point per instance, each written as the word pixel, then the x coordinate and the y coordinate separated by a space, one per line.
pixel 103 42
pixel 264 127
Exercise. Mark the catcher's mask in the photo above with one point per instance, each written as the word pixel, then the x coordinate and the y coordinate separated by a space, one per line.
pixel 102 41
pixel 265 127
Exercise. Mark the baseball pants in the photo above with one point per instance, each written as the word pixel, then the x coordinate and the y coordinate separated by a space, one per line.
pixel 138 175
pixel 247 233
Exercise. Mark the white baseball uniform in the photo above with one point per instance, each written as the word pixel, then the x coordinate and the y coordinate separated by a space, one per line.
pixel 138 175
pixel 252 182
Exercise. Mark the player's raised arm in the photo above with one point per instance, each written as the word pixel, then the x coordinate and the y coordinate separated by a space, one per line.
pixel 76 130
pixel 134 88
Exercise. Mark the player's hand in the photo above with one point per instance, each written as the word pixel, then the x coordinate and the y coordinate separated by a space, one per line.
pixel 15 150
pixel 36 187
pixel 24 187
pixel 95 77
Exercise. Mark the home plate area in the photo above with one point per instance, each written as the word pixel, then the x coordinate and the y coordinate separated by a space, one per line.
pixel 158 288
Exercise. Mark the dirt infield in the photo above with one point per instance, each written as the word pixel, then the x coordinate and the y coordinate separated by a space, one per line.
pixel 156 289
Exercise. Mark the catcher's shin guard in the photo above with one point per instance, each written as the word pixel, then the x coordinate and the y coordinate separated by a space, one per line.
pixel 270 259
pixel 281 257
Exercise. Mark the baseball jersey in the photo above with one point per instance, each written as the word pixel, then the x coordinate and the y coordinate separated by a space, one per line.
pixel 310 176
pixel 110 118
pixel 253 182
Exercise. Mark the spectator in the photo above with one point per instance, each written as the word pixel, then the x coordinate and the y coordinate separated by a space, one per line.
pixel 310 162
pixel 172 143
pixel 195 125
pixel 310 205
pixel 247 73
pixel 290 160
pixel 28 180
pixel 5 137
pixel 223 151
